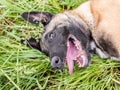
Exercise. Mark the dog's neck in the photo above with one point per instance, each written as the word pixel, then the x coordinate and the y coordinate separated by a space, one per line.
pixel 84 12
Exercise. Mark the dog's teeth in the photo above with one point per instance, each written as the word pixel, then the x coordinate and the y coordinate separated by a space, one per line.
pixel 76 46
pixel 68 44
pixel 84 59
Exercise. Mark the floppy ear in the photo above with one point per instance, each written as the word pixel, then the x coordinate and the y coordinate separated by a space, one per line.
pixel 36 17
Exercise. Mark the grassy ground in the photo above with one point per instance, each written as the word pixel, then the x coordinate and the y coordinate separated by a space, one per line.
pixel 23 68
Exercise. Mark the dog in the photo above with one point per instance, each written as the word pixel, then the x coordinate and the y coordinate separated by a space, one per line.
pixel 75 35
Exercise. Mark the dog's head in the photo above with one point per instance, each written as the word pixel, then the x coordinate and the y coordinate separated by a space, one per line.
pixel 65 38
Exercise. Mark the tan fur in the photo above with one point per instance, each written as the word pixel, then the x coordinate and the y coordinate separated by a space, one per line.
pixel 103 17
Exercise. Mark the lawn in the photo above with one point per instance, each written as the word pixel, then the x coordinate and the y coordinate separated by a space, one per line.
pixel 23 68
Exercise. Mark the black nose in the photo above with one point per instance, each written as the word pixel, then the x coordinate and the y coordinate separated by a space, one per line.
pixel 56 62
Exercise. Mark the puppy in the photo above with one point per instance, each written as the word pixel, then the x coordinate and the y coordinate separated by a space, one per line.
pixel 72 36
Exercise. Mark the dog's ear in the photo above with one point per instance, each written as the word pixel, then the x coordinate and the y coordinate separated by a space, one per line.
pixel 36 17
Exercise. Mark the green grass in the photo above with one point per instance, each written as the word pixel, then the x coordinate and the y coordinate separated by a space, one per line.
pixel 23 68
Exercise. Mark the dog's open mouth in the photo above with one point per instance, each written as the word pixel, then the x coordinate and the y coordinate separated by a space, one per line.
pixel 75 53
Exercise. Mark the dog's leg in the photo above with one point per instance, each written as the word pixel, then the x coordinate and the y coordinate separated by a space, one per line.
pixel 96 50
pixel 114 58
pixel 32 42
pixel 101 53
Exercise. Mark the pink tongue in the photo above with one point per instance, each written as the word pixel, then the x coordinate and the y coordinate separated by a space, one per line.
pixel 72 52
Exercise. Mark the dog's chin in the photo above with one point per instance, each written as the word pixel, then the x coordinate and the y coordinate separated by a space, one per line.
pixel 75 53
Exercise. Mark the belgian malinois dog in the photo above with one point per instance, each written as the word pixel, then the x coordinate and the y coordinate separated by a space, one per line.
pixel 73 36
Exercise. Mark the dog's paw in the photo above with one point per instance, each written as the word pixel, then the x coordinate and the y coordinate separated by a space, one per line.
pixel 22 41
pixel 31 42
pixel 114 58
pixel 101 53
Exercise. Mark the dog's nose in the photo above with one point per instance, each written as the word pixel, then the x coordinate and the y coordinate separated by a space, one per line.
pixel 56 62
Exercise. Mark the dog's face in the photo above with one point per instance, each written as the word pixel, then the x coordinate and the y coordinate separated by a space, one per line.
pixel 65 39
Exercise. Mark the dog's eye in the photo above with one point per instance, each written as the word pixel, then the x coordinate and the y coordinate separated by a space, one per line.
pixel 51 35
